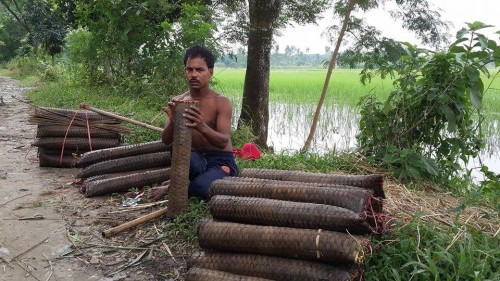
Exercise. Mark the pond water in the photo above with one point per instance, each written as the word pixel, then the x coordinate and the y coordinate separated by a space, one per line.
pixel 289 126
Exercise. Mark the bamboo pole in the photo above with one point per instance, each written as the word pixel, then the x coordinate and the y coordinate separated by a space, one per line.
pixel 87 106
pixel 124 226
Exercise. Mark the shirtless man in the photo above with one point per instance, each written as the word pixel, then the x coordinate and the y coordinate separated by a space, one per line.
pixel 212 152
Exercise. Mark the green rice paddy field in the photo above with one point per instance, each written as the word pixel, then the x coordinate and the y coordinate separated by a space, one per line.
pixel 345 88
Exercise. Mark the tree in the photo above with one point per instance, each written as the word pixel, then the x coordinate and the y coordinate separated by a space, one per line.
pixel 45 27
pixel 11 35
pixel 432 120
pixel 265 17
pixel 416 16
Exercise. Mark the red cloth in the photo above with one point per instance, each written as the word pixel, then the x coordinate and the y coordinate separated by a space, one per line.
pixel 248 151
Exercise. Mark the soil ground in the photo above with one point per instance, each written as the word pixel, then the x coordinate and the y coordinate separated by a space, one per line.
pixel 50 231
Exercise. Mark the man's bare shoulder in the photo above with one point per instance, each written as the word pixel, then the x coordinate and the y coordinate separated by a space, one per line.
pixel 220 98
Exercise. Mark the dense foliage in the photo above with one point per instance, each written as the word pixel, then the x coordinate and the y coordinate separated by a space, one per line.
pixel 431 123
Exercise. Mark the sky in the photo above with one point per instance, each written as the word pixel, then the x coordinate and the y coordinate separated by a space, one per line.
pixel 458 12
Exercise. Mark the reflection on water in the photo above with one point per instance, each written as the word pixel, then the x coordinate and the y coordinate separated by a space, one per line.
pixel 289 125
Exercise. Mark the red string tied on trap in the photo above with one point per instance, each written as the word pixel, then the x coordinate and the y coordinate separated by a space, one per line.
pixel 64 140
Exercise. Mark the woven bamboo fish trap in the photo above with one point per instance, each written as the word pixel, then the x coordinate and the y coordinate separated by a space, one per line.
pixel 274 268
pixel 131 163
pixel 74 132
pixel 82 118
pixel 75 143
pixel 115 175
pixel 121 151
pixel 181 155
pixel 57 151
pixel 355 199
pixel 308 244
pixel 124 183
pixel 78 114
pixel 203 274
pixel 56 161
pixel 372 182
pixel 289 214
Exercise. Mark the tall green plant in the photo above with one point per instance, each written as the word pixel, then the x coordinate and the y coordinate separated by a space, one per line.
pixel 431 122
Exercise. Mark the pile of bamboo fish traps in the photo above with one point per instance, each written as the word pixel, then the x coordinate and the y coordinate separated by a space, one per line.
pixel 118 169
pixel 63 135
pixel 288 225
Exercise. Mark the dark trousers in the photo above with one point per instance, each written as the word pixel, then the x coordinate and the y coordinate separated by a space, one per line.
pixel 205 167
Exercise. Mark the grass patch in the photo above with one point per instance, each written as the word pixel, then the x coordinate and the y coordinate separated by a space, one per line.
pixel 425 251
pixel 183 230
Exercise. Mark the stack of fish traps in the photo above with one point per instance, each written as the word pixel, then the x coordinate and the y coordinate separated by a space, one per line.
pixel 288 225
pixel 119 169
pixel 63 135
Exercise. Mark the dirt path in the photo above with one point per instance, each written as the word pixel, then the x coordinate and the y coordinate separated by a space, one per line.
pixel 33 234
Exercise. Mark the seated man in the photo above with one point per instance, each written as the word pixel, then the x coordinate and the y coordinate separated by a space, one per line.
pixel 212 152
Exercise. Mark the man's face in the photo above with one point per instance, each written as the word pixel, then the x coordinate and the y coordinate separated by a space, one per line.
pixel 197 73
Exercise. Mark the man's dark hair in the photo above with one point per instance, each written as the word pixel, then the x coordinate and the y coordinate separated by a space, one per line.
pixel 202 52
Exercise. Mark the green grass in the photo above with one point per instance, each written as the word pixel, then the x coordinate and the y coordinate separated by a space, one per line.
pixel 425 251
pixel 305 86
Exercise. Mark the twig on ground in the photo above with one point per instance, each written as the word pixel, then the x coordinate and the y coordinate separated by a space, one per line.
pixel 31 248
pixel 138 207
pixel 164 244
pixel 73 238
pixel 25 269
pixel 6 262
pixel 5 203
pixel 50 270
pixel 132 263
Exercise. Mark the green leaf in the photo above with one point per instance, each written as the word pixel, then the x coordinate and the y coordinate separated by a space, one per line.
pixel 476 94
pixel 450 117
pixel 429 166
pixel 414 173
pixel 492 44
pixel 477 25
pixel 483 40
pixel 461 33
pixel 457 49
pixel 496 56
pixel 473 75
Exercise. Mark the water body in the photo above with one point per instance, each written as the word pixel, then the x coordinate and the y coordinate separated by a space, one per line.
pixel 289 126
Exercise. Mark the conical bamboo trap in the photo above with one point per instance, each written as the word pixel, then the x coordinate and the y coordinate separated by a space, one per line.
pixel 81 118
pixel 130 163
pixel 308 244
pixel 272 212
pixel 56 161
pixel 181 154
pixel 120 174
pixel 372 182
pixel 355 199
pixel 203 274
pixel 271 267
pixel 74 131
pixel 124 183
pixel 75 143
pixel 76 152
pixel 96 156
